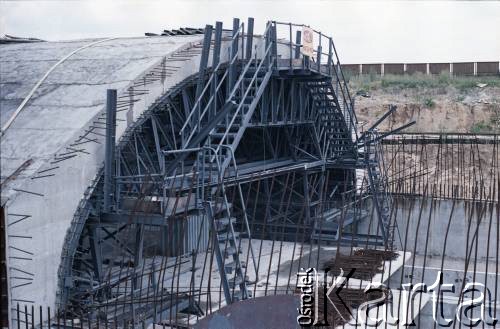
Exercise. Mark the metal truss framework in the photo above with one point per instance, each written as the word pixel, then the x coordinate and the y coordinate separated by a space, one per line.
pixel 255 152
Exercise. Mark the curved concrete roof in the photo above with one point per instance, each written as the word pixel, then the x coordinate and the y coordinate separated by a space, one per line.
pixel 71 95
pixel 49 164
pixel 42 197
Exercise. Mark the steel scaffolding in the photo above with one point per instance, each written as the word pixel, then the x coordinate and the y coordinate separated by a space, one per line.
pixel 260 151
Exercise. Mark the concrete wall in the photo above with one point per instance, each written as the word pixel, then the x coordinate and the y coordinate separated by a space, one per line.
pixel 394 68
pixel 416 68
pixel 462 68
pixel 371 69
pixel 486 67
pixel 422 226
pixel 466 216
pixel 438 68
pixel 425 264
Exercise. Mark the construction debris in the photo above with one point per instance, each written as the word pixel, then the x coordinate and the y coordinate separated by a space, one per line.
pixel 365 263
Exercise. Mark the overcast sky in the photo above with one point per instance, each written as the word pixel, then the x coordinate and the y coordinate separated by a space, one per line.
pixel 363 31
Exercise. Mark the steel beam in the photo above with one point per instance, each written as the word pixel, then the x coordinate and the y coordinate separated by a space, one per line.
pixel 95 251
pixel 203 61
pixel 129 218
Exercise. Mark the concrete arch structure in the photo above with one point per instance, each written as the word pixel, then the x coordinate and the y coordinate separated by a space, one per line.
pixel 269 98
pixel 53 150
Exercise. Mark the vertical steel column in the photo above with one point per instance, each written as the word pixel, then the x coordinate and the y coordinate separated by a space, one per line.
pixel 215 62
pixel 318 58
pixel 95 251
pixel 217 44
pixel 249 39
pixel 109 156
pixel 234 54
pixel 203 67
pixel 118 173
pixel 268 40
pixel 291 47
pixel 320 49
pixel 307 201
pixel 4 291
pixel 298 40
pixel 275 44
pixel 330 55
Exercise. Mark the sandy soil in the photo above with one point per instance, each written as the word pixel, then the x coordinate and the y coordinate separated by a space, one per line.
pixel 447 109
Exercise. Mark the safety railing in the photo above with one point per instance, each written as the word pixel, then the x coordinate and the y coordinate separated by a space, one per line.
pixel 234 52
pixel 266 60
pixel 320 61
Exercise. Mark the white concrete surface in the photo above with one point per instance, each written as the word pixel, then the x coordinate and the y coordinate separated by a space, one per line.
pixel 62 109
pixel 41 200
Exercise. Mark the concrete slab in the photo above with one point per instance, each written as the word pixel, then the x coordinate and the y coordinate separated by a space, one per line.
pixel 387 313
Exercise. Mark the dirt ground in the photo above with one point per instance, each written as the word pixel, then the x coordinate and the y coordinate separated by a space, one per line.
pixel 438 104
pixel 442 109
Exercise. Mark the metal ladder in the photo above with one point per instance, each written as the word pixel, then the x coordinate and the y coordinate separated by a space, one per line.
pixel 214 160
pixel 225 245
pixel 225 137
pixel 226 241
pixel 333 123
pixel 223 140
